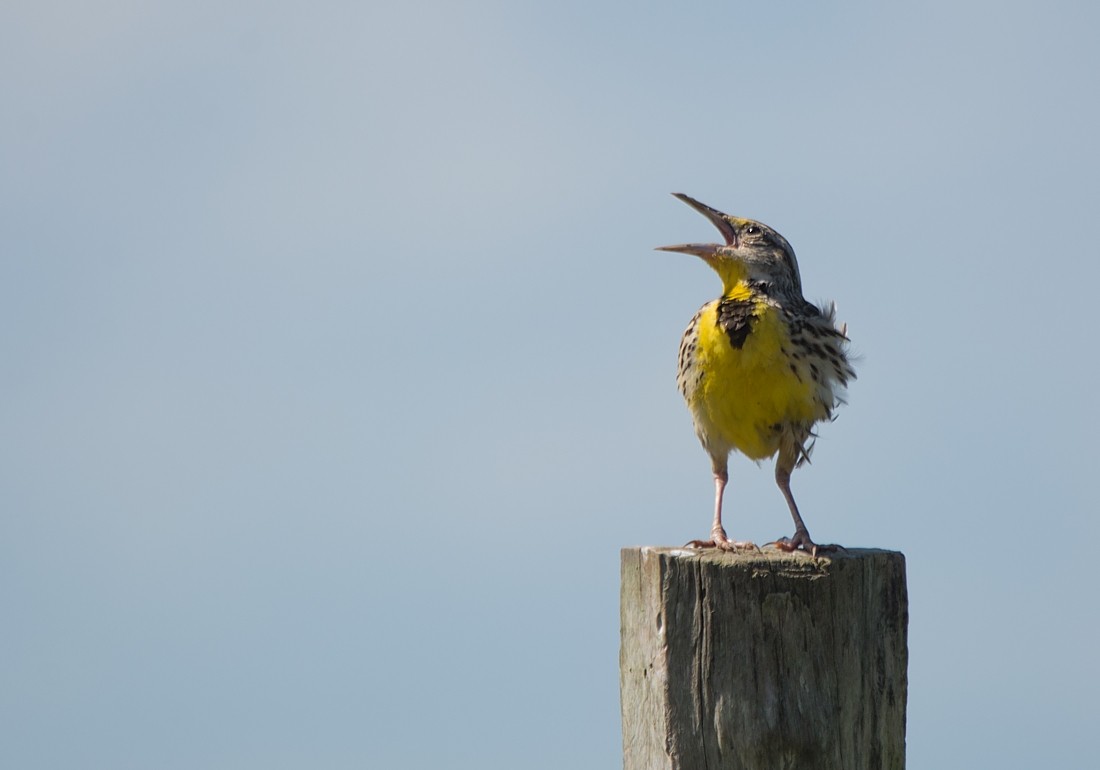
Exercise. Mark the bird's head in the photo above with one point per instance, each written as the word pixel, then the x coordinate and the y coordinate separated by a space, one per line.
pixel 752 251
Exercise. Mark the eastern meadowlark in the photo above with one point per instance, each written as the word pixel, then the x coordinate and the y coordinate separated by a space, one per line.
pixel 759 366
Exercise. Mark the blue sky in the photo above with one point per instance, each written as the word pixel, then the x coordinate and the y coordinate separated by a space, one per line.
pixel 338 364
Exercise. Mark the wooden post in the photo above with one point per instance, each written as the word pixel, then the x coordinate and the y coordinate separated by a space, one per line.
pixel 764 660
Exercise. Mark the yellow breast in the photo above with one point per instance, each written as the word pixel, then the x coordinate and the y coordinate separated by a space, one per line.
pixel 747 395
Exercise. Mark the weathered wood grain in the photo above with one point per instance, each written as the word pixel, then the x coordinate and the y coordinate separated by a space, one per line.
pixel 763 661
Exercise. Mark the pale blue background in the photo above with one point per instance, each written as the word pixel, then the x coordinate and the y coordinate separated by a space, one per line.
pixel 337 364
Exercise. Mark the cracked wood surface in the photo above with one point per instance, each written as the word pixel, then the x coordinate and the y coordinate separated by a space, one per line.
pixel 763 660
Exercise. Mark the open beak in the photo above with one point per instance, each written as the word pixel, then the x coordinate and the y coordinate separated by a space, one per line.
pixel 717 218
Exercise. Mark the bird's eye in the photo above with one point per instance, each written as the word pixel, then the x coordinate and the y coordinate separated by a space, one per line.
pixel 753 230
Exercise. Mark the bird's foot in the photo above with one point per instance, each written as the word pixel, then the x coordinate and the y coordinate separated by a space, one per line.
pixel 802 542
pixel 722 543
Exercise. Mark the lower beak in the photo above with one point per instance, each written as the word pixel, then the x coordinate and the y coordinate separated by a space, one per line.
pixel 704 250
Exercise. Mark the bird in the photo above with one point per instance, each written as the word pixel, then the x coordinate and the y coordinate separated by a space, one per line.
pixel 760 366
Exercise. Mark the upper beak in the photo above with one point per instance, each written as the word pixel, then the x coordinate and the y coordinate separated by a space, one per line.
pixel 717 218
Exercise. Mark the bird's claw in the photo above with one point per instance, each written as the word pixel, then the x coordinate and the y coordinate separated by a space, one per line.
pixel 801 542
pixel 722 543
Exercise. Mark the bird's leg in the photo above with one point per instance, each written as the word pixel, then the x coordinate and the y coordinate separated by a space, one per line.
pixel 718 538
pixel 801 539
